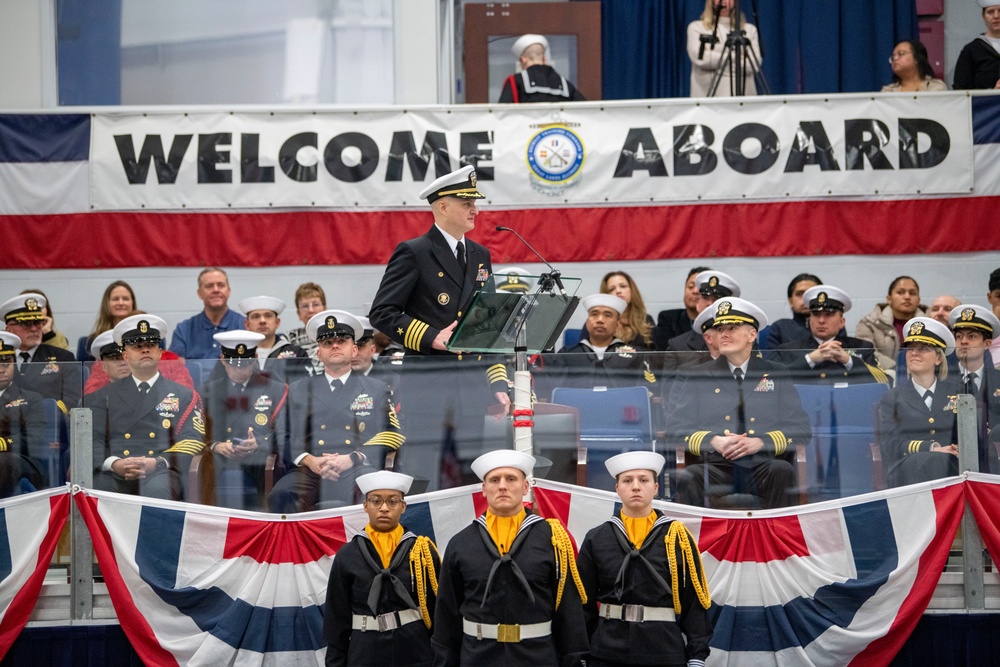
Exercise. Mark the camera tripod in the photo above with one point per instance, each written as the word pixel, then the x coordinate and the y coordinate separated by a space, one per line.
pixel 737 55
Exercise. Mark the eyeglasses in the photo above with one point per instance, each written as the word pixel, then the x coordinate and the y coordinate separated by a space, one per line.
pixel 898 54
pixel 377 501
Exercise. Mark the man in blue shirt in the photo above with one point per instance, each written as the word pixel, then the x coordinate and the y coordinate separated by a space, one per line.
pixel 193 337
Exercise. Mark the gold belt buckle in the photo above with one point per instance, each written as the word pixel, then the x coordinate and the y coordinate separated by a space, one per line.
pixel 510 634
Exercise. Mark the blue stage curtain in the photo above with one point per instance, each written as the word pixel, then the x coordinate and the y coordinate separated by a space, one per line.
pixel 834 46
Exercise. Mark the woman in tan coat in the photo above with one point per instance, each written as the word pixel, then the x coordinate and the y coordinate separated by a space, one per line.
pixel 884 325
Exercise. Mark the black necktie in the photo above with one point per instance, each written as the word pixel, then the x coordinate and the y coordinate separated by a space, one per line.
pixel 238 388
pixel 25 357
pixel 741 416
pixel 460 255
pixel 335 385
pixel 970 385
pixel 929 399
pixel 143 388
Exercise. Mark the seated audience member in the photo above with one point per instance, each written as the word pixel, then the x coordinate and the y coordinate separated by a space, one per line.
pixel 794 327
pixel 341 424
pixel 673 382
pixel 678 321
pixel 244 420
pixel 277 358
pixel 911 69
pixel 941 308
pixel 974 328
pixel 712 285
pixel 49 334
pixel 193 337
pixel 117 303
pixel 113 366
pixel 918 417
pixel 47 370
pixel 21 427
pixel 993 297
pixel 625 568
pixel 978 64
pixel 826 355
pixel 740 418
pixel 309 300
pixel 146 426
pixel 883 326
pixel 635 326
pixel 367 361
pixel 604 360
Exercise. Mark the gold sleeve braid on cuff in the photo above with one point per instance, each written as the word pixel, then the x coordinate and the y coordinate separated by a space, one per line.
pixel 877 373
pixel 191 447
pixel 387 439
pixel 780 442
pixel 694 441
pixel 496 373
pixel 914 446
pixel 414 334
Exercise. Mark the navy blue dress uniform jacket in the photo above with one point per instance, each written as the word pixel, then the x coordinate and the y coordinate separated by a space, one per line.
pixel 649 642
pixel 22 426
pixel 708 405
pixel 229 413
pixel 54 373
pixel 468 562
pixel 423 289
pixel 864 369
pixel 578 366
pixel 544 85
pixel 351 579
pixel 356 417
pixel 908 429
pixel 166 422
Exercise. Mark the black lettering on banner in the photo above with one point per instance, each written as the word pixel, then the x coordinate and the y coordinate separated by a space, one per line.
pixel 692 155
pixel 732 148
pixel 910 130
pixel 333 157
pixel 136 170
pixel 209 156
pixel 402 146
pixel 864 138
pixel 640 153
pixel 811 133
pixel 476 147
pixel 250 169
pixel 288 157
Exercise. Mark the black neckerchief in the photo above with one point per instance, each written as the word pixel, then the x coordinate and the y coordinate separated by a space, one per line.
pixel 383 573
pixel 631 553
pixel 529 520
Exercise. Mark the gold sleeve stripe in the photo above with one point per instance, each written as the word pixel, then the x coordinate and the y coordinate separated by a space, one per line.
pixel 695 440
pixel 414 333
pixel 780 442
pixel 496 373
pixel 62 406
pixel 878 374
pixel 3 444
pixel 914 446
pixel 393 419
pixel 387 439
pixel 191 447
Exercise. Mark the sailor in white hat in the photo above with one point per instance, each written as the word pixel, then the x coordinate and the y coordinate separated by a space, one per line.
pixel 341 423
pixel 627 565
pixel 383 584
pixel 277 357
pixel 536 80
pixel 43 368
pixel 146 426
pixel 428 285
pixel 827 355
pixel 741 414
pixel 974 328
pixel 499 602
pixel 976 66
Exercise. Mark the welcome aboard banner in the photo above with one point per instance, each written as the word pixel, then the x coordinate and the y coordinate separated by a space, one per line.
pixel 530 156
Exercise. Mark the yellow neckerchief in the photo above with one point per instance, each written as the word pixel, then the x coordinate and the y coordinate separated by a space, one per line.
pixel 385 543
pixel 503 529
pixel 638 529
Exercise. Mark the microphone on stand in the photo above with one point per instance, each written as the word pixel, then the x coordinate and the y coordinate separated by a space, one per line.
pixel 553 275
